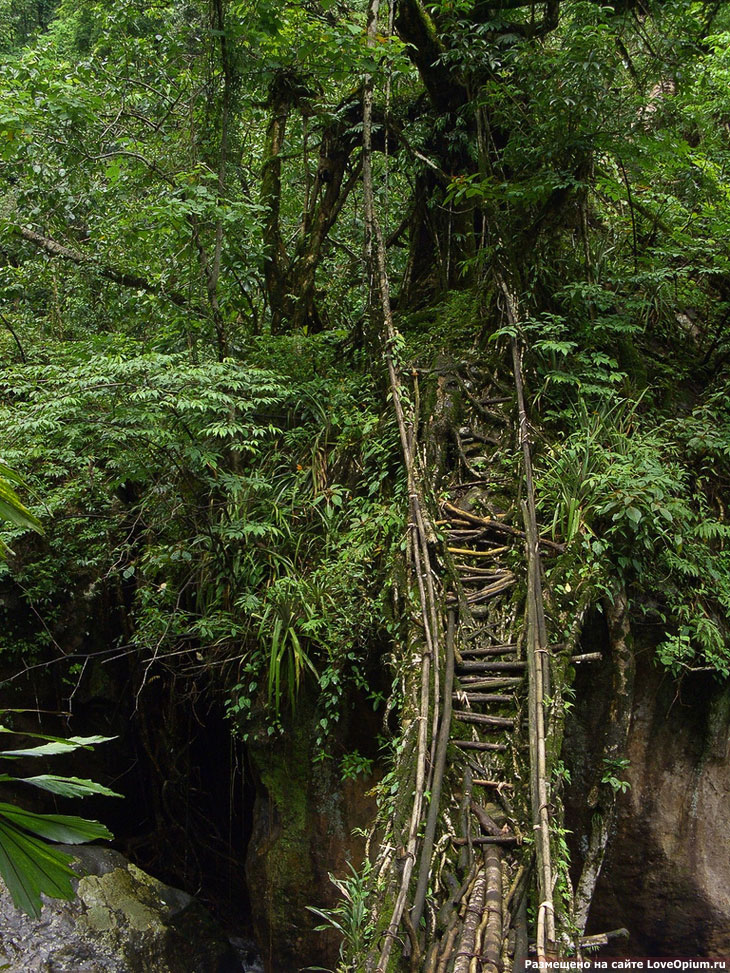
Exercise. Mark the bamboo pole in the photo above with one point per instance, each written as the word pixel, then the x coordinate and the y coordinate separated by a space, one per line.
pixel 438 776
pixel 482 719
pixel 491 946
pixel 473 917
pixel 538 762
pixel 417 528
pixel 537 660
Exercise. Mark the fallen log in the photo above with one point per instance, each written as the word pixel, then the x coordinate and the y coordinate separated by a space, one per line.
pixel 586 657
pixel 585 942
pixel 603 938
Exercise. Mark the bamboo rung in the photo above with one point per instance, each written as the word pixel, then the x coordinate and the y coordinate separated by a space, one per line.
pixel 470 553
pixel 474 682
pixel 474 575
pixel 491 590
pixel 489 650
pixel 476 667
pixel 488 839
pixel 473 634
pixel 494 699
pixel 476 521
pixel 480 572
pixel 478 745
pixel 493 783
pixel 495 722
pixel 491 666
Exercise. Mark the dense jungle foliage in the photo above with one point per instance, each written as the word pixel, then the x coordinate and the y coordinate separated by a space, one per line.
pixel 193 379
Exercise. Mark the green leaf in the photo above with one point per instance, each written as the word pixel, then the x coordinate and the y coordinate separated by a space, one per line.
pixel 55 746
pixel 44 750
pixel 29 867
pixel 70 829
pixel 13 510
pixel 68 786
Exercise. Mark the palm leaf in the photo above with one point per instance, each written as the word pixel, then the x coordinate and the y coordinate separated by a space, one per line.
pixel 55 746
pixel 76 740
pixel 65 786
pixel 13 509
pixel 70 829
pixel 29 867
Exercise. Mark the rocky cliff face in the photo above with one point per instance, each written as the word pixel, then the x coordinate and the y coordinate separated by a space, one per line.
pixel 305 814
pixel 666 876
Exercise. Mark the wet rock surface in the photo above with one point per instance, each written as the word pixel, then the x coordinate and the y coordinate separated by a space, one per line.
pixel 304 818
pixel 666 876
pixel 122 921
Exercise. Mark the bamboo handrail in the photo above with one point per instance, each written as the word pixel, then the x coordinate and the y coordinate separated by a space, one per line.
pixel 538 671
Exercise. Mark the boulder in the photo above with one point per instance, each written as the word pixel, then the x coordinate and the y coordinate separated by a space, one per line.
pixel 122 921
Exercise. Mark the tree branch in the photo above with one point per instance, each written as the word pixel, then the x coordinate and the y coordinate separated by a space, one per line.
pixel 123 278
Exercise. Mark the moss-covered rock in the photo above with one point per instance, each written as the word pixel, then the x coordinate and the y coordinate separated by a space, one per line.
pixel 304 816
pixel 122 921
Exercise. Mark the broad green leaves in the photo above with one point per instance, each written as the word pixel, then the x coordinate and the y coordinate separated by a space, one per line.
pixel 29 868
pixel 29 865
pixel 12 509
pixel 627 499
pixel 63 828
pixel 69 786
pixel 261 501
